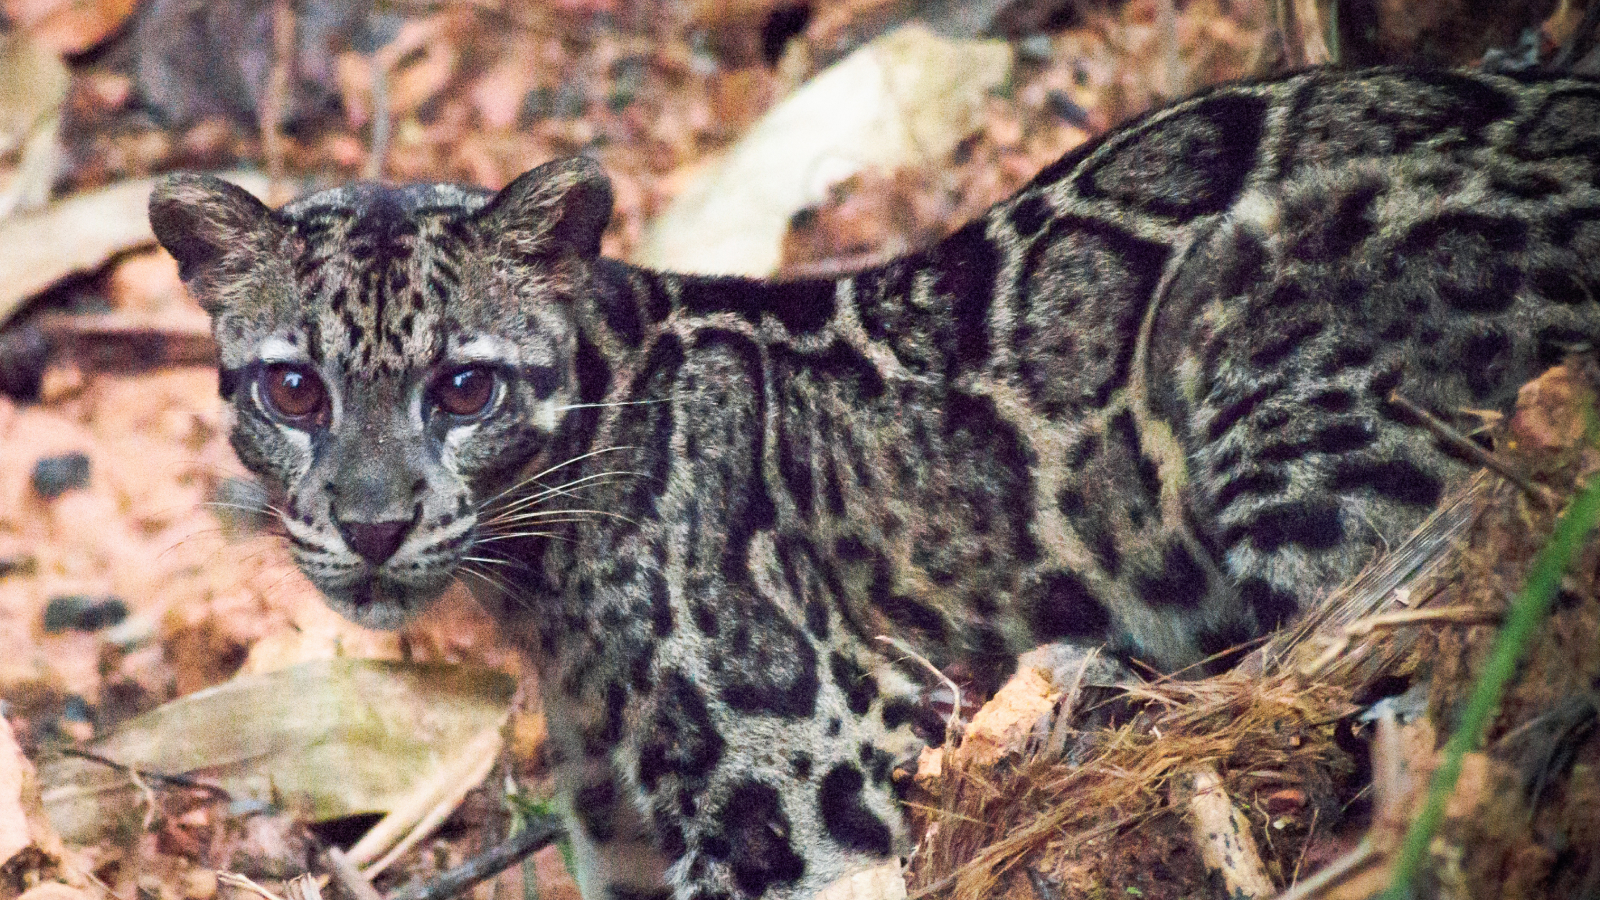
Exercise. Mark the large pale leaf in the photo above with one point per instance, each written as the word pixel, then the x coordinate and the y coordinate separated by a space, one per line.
pixel 80 234
pixel 342 736
pixel 907 97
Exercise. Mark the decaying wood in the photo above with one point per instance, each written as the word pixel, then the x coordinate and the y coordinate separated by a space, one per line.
pixel 1222 833
pixel 117 343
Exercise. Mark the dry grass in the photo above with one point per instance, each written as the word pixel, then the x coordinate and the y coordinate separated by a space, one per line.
pixel 1088 809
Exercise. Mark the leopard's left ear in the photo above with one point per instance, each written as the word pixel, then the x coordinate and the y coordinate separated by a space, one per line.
pixel 561 204
pixel 203 221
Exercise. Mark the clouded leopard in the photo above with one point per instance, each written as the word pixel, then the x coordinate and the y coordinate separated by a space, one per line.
pixel 1142 403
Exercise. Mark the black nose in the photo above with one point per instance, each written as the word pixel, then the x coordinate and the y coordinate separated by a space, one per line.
pixel 375 541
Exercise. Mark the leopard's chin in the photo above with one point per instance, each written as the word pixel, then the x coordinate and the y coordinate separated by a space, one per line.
pixel 382 603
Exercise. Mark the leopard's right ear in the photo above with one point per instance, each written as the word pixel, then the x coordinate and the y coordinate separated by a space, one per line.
pixel 203 220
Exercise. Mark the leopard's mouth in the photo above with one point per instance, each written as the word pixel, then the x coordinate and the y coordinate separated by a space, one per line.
pixel 375 599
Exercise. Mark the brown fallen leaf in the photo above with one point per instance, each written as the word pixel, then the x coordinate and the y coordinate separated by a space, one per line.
pixel 1551 411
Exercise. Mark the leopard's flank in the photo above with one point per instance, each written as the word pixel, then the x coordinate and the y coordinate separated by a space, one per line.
pixel 1144 403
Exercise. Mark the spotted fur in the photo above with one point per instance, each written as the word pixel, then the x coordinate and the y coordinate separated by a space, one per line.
pixel 1144 403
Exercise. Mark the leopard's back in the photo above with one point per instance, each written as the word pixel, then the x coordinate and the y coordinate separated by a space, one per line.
pixel 1178 347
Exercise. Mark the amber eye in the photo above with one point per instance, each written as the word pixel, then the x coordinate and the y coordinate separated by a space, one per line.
pixel 466 391
pixel 294 392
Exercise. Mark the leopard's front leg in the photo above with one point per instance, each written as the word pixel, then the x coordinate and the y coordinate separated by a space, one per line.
pixel 744 718
pixel 759 779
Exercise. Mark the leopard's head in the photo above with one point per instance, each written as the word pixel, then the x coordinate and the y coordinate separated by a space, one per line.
pixel 395 358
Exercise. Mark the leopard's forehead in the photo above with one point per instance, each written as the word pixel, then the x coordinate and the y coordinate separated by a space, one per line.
pixel 381 271
pixel 373 202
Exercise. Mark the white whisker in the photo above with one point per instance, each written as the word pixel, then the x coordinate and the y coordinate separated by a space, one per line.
pixel 567 489
pixel 264 508
pixel 614 403
pixel 533 479
pixel 513 535
pixel 492 580
pixel 578 515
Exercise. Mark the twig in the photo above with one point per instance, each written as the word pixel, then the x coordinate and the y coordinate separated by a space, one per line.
pixel 113 342
pixel 428 805
pixel 382 120
pixel 950 724
pixel 243 882
pixel 1334 872
pixel 348 876
pixel 1468 448
pixel 305 887
pixel 1305 847
pixel 1222 834
pixel 1302 32
pixel 1460 615
pixel 179 781
pixel 274 99
pixel 1174 82
pixel 537 832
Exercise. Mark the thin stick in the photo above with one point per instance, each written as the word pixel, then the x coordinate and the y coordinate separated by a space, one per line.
pixel 274 101
pixel 178 781
pixel 955 689
pixel 1459 615
pixel 1335 872
pixel 243 882
pixel 382 120
pixel 1222 834
pixel 349 877
pixel 306 886
pixel 537 833
pixel 1468 448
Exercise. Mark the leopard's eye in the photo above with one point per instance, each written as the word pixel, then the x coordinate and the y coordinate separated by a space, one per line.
pixel 466 391
pixel 295 393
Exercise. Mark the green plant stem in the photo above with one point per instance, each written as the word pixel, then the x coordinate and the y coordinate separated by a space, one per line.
pixel 1524 618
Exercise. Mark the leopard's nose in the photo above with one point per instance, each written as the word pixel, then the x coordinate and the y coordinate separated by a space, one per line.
pixel 375 541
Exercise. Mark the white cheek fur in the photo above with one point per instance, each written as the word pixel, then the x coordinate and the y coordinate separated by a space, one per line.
pixel 546 415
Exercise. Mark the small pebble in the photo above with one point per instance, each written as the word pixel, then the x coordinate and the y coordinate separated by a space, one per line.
pixel 18 564
pixel 1066 108
pixel 24 353
pixel 55 475
pixel 1036 48
pixel 79 613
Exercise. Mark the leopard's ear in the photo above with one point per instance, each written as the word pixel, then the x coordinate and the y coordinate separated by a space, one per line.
pixel 201 220
pixel 563 204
